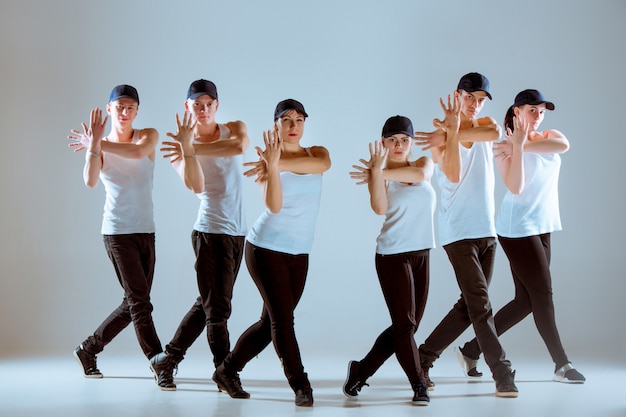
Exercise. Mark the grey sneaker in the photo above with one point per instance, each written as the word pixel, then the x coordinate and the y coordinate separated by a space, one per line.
pixel 162 365
pixel 468 364
pixel 568 375
pixel 87 362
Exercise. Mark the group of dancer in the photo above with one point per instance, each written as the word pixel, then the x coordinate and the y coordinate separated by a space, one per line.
pixel 208 157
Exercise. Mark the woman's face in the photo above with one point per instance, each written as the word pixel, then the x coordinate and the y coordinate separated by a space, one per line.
pixel 532 113
pixel 290 126
pixel 399 146
pixel 202 108
pixel 123 111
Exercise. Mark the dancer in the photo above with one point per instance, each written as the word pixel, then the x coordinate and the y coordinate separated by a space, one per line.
pixel 401 190
pixel 208 157
pixel 461 148
pixel 529 161
pixel 277 248
pixel 124 162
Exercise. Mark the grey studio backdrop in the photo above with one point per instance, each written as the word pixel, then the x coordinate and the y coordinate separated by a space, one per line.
pixel 352 64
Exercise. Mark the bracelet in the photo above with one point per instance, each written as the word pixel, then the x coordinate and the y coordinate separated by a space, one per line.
pixel 94 154
pixel 190 156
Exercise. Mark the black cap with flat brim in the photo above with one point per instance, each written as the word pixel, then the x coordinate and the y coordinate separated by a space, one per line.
pixel 532 97
pixel 286 105
pixel 124 91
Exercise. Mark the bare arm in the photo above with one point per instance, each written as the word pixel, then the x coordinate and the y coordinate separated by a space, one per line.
pixel 418 171
pixel 449 156
pixel 271 184
pixel 317 163
pixel 182 154
pixel 93 158
pixel 236 144
pixel 549 141
pixel 145 146
pixel 511 165
pixel 376 184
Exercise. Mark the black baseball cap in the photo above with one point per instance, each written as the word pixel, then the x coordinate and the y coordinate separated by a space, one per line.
pixel 397 124
pixel 201 87
pixel 286 105
pixel 532 97
pixel 474 81
pixel 122 91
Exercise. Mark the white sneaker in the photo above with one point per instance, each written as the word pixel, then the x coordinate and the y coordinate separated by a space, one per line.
pixel 568 375
pixel 467 364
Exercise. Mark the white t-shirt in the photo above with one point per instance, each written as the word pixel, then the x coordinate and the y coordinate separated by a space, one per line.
pixel 535 210
pixel 466 209
pixel 221 208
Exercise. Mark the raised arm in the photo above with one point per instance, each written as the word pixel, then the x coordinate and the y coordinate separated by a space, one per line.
pixel 449 156
pixel 93 158
pixel 272 186
pixel 510 164
pixel 182 154
pixel 235 144
pixel 376 184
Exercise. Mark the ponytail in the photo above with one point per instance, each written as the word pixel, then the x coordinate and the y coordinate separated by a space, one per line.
pixel 508 120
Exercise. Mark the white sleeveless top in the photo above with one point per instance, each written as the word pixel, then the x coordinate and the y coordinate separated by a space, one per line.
pixel 408 224
pixel 221 208
pixel 128 184
pixel 292 229
pixel 536 209
pixel 466 209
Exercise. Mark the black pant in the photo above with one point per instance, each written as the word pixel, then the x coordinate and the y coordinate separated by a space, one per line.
pixel 280 278
pixel 133 258
pixel 404 280
pixel 529 258
pixel 218 258
pixel 472 261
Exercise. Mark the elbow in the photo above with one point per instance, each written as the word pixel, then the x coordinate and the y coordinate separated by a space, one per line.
pixel 274 209
pixel 90 183
pixel 454 177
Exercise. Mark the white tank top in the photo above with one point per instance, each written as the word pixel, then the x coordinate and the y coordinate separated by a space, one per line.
pixel 292 229
pixel 466 209
pixel 536 209
pixel 128 184
pixel 221 208
pixel 408 224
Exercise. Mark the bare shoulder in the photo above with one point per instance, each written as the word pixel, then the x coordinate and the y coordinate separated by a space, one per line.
pixel 148 133
pixel 319 151
pixel 237 125
pixel 552 134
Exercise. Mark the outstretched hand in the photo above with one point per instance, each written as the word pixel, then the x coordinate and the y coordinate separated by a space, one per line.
pixel 517 137
pixel 451 113
pixel 80 140
pixel 378 158
pixel 268 157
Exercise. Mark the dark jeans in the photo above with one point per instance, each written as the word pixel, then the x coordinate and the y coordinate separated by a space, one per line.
pixel 472 261
pixel 404 281
pixel 218 258
pixel 280 278
pixel 529 258
pixel 133 258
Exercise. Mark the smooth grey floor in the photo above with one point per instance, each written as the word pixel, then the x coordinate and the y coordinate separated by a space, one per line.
pixel 54 387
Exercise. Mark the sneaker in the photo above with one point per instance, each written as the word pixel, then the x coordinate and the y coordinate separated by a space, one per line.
pixel 420 396
pixel 429 383
pixel 505 385
pixel 229 383
pixel 568 375
pixel 87 362
pixel 162 366
pixel 468 364
pixel 353 384
pixel 304 397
